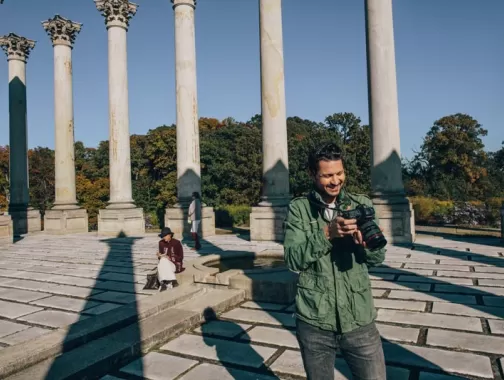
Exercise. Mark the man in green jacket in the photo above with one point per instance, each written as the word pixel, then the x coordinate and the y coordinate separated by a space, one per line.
pixel 334 302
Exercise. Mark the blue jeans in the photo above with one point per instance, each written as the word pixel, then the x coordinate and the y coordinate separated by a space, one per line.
pixel 362 350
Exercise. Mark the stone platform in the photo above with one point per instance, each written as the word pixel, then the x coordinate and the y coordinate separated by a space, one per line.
pixel 440 308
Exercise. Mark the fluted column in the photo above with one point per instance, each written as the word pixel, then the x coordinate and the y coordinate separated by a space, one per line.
pixel 66 216
pixel 386 172
pixel 62 33
pixel 18 50
pixel 266 220
pixel 275 190
pixel 188 153
pixel 117 14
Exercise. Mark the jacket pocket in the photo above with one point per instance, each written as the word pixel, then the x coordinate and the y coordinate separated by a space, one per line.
pixel 311 297
pixel 362 298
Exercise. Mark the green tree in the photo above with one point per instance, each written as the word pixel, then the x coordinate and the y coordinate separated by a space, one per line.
pixel 41 174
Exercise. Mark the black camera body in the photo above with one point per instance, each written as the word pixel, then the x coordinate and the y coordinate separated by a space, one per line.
pixel 371 233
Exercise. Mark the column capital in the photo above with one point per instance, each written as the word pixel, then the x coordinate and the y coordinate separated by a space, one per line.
pixel 61 30
pixel 16 47
pixel 191 3
pixel 116 12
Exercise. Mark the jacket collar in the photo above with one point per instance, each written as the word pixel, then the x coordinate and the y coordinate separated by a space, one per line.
pixel 342 200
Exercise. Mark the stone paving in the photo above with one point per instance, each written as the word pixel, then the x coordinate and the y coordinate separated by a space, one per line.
pixel 440 308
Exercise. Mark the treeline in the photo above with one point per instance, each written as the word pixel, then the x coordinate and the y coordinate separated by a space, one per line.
pixel 452 165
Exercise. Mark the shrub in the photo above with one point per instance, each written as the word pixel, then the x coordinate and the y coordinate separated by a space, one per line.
pixel 151 220
pixel 232 215
pixel 469 213
pixel 493 206
pixel 432 210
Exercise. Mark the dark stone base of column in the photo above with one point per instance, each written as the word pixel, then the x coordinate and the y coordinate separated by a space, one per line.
pixel 176 219
pixel 6 230
pixel 61 222
pixel 266 223
pixel 25 220
pixel 396 216
pixel 128 221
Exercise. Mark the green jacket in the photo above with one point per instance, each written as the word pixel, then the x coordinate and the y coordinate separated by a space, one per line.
pixel 334 290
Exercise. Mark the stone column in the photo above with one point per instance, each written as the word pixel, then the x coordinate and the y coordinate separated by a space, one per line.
pixel 393 208
pixel 25 219
pixel 121 215
pixel 266 220
pixel 188 153
pixel 66 216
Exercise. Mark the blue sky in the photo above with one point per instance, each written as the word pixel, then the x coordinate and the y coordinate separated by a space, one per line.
pixel 450 58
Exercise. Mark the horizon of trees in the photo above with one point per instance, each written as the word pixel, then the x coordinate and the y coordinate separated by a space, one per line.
pixel 451 165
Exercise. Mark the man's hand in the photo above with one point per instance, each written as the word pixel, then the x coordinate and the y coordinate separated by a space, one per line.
pixel 340 227
pixel 357 236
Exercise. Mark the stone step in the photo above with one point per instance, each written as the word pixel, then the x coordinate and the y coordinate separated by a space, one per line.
pixel 21 356
pixel 98 357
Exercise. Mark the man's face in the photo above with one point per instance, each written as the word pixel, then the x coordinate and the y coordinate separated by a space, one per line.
pixel 168 237
pixel 330 178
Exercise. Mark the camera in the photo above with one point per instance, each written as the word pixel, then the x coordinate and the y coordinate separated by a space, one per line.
pixel 371 233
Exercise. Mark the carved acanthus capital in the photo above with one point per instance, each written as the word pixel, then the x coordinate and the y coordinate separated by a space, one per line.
pixel 61 30
pixel 191 3
pixel 116 12
pixel 16 47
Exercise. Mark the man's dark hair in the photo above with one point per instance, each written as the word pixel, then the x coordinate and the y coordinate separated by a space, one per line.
pixel 327 152
pixel 196 195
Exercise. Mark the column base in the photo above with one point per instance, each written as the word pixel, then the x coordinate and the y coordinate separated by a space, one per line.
pixel 6 230
pixel 396 217
pixel 266 223
pixel 176 219
pixel 130 221
pixel 66 221
pixel 25 221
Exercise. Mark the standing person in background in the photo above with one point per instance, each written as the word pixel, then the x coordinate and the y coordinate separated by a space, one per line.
pixel 195 218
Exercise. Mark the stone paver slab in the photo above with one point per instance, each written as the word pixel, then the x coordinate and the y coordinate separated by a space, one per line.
pixel 290 362
pixel 494 301
pixel 263 306
pixel 260 316
pixel 400 286
pixel 498 283
pixel 156 366
pixel 66 303
pixel 436 376
pixel 399 304
pixel 489 269
pixel 102 308
pixel 223 328
pixel 208 371
pixel 440 297
pixel 8 328
pixel 436 267
pixel 404 334
pixel 471 274
pixel 14 310
pixel 470 311
pixel 465 341
pixel 427 319
pixel 378 292
pixel 248 355
pixel 53 318
pixel 22 336
pixel 496 327
pixel 274 336
pixel 419 272
pixel 437 280
pixel 482 290
pixel 21 295
pixel 116 297
pixel 433 358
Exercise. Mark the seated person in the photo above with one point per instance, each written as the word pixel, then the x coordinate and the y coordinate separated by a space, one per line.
pixel 171 256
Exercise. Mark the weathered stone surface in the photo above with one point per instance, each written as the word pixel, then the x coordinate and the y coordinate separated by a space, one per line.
pixel 214 372
pixel 496 327
pixel 482 290
pixel 494 301
pixel 53 318
pixel 261 316
pixel 66 303
pixel 263 306
pixel 23 336
pixel 438 267
pixel 156 366
pixel 399 304
pixel 437 280
pixel 418 296
pixel 436 376
pixel 116 297
pixel 471 275
pixel 427 319
pixel 431 358
pixel 471 311
pixel 378 292
pixel 489 269
pixel 102 308
pixel 244 354
pixel 275 336
pixel 223 328
pixel 8 328
pixel 405 334
pixel 400 286
pixel 14 310
pixel 465 341
pixel 499 283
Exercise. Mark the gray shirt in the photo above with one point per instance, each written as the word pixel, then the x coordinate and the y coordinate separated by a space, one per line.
pixel 195 210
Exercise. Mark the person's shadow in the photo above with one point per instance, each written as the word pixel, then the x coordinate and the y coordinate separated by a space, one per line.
pixel 230 354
